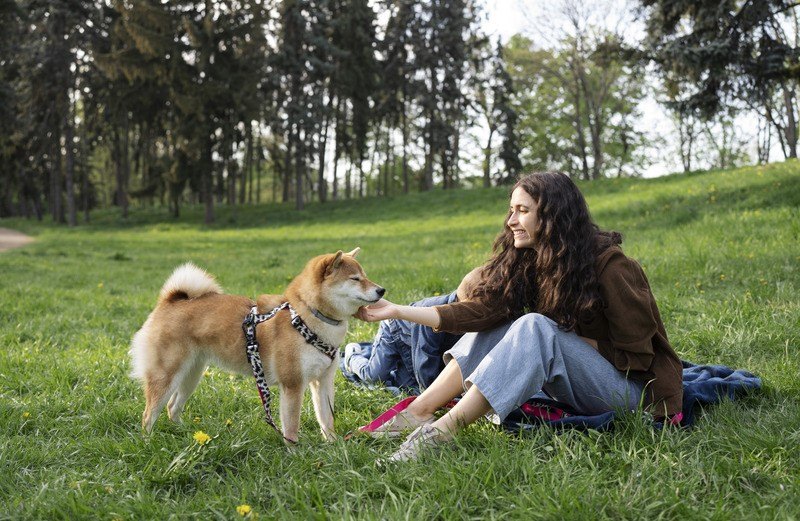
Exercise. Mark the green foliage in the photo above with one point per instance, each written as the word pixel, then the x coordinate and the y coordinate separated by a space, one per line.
pixel 577 102
pixel 721 249
pixel 722 49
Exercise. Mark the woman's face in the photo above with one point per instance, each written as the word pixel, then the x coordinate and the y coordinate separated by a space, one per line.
pixel 522 220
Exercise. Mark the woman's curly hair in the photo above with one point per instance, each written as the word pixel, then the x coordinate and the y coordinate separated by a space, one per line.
pixel 557 276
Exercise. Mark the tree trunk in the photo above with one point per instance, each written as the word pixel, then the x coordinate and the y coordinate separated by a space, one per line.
pixel 597 149
pixel 232 168
pixel 84 176
pixel 121 167
pixel 580 138
pixel 405 141
pixel 257 173
pixel 361 175
pixel 389 163
pixel 348 188
pixel 791 122
pixel 445 162
pixel 322 185
pixel 487 159
pixel 287 166
pixel 763 140
pixel 72 217
pixel 595 125
pixel 427 181
pixel 207 162
pixel 299 173
pixel 372 163
pixel 455 173
pixel 690 147
pixel 247 172
pixel 336 152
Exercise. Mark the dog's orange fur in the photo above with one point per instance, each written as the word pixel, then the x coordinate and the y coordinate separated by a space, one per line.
pixel 194 324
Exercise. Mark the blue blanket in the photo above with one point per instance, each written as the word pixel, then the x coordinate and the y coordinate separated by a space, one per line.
pixel 702 385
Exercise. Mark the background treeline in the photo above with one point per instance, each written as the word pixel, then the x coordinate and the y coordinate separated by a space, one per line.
pixel 237 102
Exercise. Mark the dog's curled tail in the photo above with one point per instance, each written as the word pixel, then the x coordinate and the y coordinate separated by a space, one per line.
pixel 188 281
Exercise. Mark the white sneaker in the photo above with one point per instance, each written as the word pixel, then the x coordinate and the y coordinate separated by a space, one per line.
pixel 400 423
pixel 353 348
pixel 425 438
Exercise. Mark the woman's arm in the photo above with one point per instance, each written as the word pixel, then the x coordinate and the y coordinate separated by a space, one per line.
pixel 384 310
pixel 461 316
pixel 631 315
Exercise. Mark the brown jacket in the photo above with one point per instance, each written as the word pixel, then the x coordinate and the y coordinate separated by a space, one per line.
pixel 629 331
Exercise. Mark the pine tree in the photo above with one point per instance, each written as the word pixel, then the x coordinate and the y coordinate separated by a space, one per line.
pixel 193 73
pixel 137 62
pixel 508 118
pixel 721 51
pixel 396 87
pixel 442 35
pixel 49 61
pixel 355 75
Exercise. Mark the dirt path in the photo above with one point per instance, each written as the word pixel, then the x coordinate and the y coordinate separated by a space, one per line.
pixel 12 239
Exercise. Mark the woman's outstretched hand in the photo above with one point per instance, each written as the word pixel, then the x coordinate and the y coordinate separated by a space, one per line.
pixel 384 310
pixel 381 310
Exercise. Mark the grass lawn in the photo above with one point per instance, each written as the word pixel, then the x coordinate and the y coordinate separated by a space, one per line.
pixel 721 249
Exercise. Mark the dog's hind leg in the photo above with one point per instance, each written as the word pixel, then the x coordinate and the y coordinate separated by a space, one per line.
pixel 291 403
pixel 322 398
pixel 191 374
pixel 157 389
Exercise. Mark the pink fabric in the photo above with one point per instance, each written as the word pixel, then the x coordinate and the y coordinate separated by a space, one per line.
pixel 388 414
pixel 543 412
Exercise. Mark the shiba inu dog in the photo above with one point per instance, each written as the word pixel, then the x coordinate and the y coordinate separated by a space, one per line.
pixel 195 324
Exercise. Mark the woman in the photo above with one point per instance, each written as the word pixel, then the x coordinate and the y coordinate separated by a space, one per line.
pixel 558 308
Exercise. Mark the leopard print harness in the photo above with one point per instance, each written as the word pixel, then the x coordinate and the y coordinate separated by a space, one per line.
pixel 249 327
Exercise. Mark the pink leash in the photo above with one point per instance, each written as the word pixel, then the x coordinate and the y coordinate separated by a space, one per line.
pixel 387 415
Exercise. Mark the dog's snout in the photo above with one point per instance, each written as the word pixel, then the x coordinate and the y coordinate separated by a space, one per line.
pixel 380 291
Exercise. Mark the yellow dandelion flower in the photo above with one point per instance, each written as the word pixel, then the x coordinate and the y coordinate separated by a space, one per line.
pixel 201 437
pixel 243 510
pixel 26 414
pixel 228 422
pixel 100 285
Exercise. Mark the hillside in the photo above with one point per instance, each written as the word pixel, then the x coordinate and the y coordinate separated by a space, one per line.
pixel 721 250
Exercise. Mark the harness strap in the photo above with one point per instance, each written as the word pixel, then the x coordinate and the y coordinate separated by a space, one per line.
pixel 249 328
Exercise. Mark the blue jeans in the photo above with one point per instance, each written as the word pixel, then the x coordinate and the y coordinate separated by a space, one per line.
pixel 404 354
pixel 532 355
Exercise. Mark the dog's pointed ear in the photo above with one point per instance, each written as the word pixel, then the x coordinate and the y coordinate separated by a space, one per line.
pixel 334 264
pixel 354 252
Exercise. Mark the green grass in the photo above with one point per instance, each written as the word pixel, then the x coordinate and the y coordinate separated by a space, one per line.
pixel 722 252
